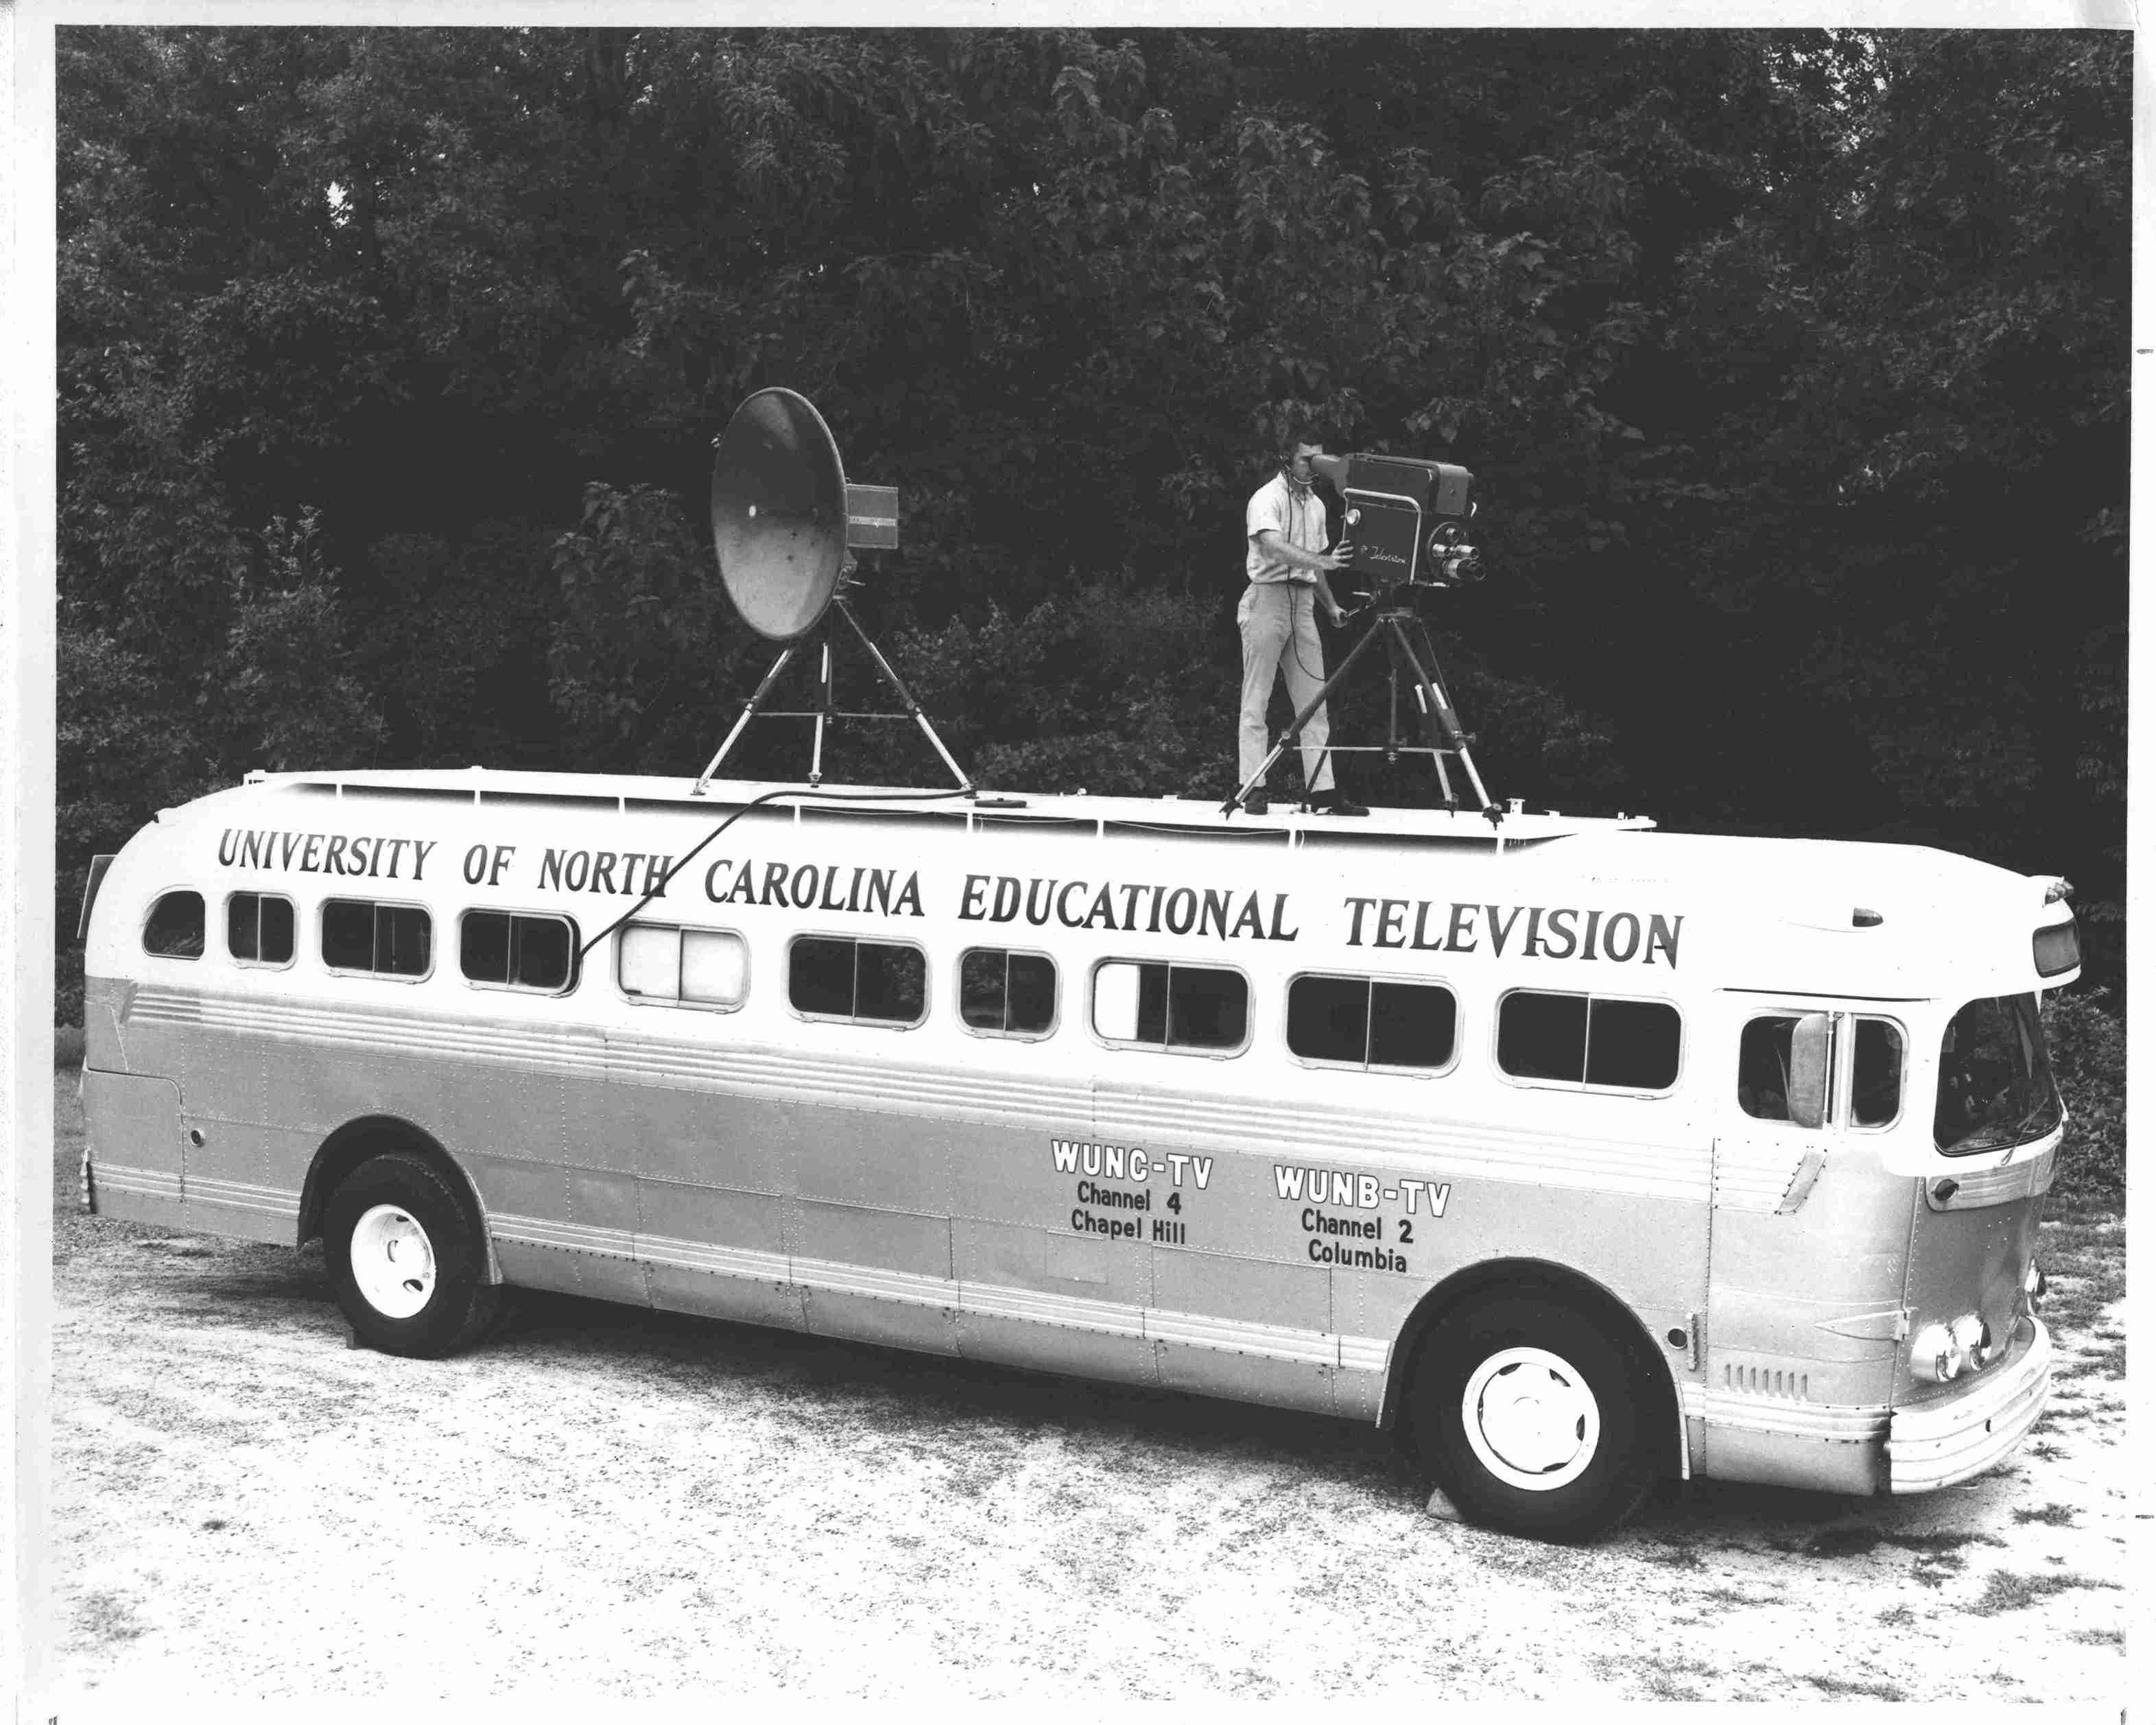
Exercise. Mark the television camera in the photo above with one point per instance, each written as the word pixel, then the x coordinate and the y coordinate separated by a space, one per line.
pixel 1407 520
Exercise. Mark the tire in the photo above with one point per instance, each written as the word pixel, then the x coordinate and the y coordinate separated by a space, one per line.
pixel 405 1260
pixel 1527 1414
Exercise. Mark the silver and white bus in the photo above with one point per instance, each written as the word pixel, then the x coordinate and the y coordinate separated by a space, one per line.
pixel 1580 1153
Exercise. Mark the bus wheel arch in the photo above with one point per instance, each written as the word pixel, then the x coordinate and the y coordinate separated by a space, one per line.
pixel 1504 1323
pixel 355 1142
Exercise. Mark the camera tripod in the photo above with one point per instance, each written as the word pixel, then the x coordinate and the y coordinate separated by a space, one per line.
pixel 826 709
pixel 1408 644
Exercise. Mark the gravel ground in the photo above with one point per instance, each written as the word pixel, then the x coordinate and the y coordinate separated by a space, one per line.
pixel 618 1503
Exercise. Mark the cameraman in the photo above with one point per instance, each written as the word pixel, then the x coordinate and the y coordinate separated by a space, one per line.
pixel 1285 558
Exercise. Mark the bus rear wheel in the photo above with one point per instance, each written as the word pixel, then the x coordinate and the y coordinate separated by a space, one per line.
pixel 1527 1412
pixel 404 1260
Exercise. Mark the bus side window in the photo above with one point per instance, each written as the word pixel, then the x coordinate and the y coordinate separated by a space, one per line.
pixel 686 967
pixel 387 940
pixel 1004 993
pixel 1877 1098
pixel 1574 1039
pixel 1358 1021
pixel 258 928
pixel 509 950
pixel 859 982
pixel 175 927
pixel 1171 1006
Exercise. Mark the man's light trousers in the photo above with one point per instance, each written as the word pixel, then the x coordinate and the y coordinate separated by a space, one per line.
pixel 1279 623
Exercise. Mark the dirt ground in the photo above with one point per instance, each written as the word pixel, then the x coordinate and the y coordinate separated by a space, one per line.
pixel 618 1503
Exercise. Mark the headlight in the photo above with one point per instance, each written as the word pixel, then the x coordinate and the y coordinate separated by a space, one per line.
pixel 1935 1355
pixel 2033 1286
pixel 1973 1336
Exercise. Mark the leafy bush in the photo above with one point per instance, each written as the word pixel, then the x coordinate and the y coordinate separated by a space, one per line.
pixel 2087 1043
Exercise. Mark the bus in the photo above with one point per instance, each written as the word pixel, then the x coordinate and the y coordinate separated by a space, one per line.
pixel 1578 1153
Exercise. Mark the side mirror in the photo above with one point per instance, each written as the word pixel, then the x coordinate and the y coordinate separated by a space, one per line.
pixel 1809 1045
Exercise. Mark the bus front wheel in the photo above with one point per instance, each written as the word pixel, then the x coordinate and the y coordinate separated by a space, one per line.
pixel 1526 1411
pixel 404 1260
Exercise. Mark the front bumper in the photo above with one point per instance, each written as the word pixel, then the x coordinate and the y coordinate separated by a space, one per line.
pixel 1955 1438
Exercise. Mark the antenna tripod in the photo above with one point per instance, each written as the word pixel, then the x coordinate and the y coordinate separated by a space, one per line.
pixel 825 710
pixel 1408 644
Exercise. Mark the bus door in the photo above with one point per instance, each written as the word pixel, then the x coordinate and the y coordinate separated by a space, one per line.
pixel 1808 1239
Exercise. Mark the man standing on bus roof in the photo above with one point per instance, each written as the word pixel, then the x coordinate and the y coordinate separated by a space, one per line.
pixel 1285 558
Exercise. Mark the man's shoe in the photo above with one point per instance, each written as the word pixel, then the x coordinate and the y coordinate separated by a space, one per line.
pixel 1333 802
pixel 1257 803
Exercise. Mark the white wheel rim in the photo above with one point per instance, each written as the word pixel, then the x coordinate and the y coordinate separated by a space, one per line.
pixel 392 1261
pixel 1531 1418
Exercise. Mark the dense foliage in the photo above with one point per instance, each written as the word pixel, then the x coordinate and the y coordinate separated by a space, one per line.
pixel 2087 1046
pixel 1792 366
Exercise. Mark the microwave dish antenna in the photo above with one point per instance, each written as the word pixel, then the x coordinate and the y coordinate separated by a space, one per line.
pixel 778 514
pixel 784 527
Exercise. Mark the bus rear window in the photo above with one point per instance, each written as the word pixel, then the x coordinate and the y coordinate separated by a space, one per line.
pixel 1996 1087
pixel 861 982
pixel 1171 1006
pixel 1358 1021
pixel 1574 1039
pixel 388 940
pixel 258 928
pixel 504 950
pixel 175 927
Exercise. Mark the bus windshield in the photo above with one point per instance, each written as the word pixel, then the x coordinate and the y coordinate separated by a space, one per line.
pixel 1996 1087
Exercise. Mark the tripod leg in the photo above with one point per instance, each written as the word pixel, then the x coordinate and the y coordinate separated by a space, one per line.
pixel 1446 715
pixel 905 695
pixel 1293 735
pixel 748 711
pixel 822 713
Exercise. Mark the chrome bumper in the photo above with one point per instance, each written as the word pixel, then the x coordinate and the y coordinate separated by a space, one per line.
pixel 1939 1443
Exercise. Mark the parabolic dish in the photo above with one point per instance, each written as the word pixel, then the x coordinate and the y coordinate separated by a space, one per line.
pixel 778 514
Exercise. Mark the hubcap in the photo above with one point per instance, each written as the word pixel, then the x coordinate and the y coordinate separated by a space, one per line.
pixel 1531 1418
pixel 392 1261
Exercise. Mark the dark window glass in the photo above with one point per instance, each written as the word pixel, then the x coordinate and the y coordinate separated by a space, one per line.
pixel 278 941
pixel 820 978
pixel 1361 1022
pixel 1878 1079
pixel 1152 1002
pixel 1032 994
pixel 1762 1067
pixel 892 982
pixel 1632 1044
pixel 1328 1017
pixel 1996 1087
pixel 258 927
pixel 242 925
pixel 981 988
pixel 521 952
pixel 390 940
pixel 1411 1024
pixel 1625 1044
pixel 348 935
pixel 863 980
pixel 403 940
pixel 176 926
pixel 1012 994
pixel 1206 1009
pixel 483 951
pixel 1543 1036
pixel 544 950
